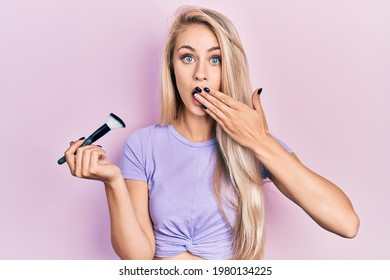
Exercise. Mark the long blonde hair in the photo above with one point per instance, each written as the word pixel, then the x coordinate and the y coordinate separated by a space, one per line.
pixel 233 160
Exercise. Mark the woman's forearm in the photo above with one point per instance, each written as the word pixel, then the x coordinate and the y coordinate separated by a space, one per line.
pixel 128 239
pixel 321 199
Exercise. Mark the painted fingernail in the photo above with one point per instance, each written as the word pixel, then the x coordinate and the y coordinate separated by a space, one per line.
pixel 204 107
pixel 198 89
pixel 259 91
pixel 206 89
pixel 72 142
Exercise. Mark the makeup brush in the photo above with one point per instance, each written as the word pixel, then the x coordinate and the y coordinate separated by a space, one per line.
pixel 112 122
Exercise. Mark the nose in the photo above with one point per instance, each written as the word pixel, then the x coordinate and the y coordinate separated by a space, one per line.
pixel 200 72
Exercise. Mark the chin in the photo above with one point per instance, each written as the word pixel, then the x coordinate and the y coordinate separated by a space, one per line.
pixel 196 111
pixel 200 113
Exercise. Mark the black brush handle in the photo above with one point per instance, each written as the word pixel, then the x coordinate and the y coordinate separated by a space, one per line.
pixel 87 141
pixel 99 133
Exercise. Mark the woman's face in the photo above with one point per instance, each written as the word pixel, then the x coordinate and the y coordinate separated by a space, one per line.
pixel 196 63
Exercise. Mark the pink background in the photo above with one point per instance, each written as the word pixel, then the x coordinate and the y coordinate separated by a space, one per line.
pixel 65 65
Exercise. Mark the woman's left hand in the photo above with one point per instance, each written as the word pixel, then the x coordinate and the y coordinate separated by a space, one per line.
pixel 247 126
pixel 320 198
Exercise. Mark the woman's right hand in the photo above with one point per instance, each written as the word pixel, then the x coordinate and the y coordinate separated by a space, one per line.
pixel 90 162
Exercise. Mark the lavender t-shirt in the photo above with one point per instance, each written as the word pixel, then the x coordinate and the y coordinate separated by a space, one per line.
pixel 182 204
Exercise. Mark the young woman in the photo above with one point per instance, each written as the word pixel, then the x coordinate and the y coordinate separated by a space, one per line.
pixel 191 186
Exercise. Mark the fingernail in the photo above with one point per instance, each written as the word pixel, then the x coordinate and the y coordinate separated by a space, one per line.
pixel 198 89
pixel 206 89
pixel 204 107
pixel 72 142
pixel 259 91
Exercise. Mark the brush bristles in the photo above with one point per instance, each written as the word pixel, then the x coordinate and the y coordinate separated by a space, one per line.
pixel 114 121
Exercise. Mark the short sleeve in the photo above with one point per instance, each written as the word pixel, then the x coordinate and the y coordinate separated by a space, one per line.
pixel 132 160
pixel 265 173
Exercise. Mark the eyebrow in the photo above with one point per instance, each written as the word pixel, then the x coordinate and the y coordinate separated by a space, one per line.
pixel 193 49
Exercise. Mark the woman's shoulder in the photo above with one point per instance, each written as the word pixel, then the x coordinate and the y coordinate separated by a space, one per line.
pixel 147 139
pixel 149 130
pixel 147 133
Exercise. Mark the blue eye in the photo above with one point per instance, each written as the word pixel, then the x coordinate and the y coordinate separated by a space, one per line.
pixel 215 60
pixel 187 58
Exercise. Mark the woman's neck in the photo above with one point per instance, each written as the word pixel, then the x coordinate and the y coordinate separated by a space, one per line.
pixel 194 128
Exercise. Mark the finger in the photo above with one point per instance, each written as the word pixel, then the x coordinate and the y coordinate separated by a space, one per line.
pixel 69 154
pixel 72 142
pixel 78 159
pixel 94 164
pixel 74 146
pixel 101 154
pixel 222 119
pixel 256 100
pixel 215 117
pixel 83 160
pixel 215 99
pixel 216 109
pixel 222 97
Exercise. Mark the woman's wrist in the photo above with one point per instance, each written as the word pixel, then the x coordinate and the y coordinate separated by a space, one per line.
pixel 266 147
pixel 115 181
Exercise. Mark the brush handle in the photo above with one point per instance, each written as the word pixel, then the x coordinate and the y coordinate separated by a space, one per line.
pixel 87 141
pixel 61 160
pixel 100 132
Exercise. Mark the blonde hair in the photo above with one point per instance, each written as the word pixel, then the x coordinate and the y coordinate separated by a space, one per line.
pixel 233 161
